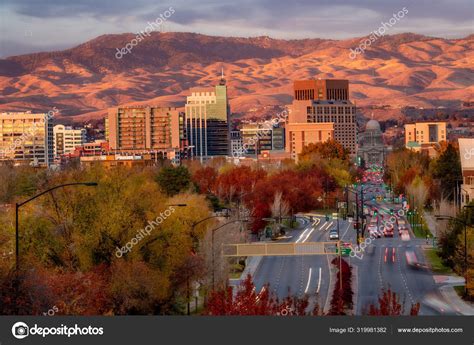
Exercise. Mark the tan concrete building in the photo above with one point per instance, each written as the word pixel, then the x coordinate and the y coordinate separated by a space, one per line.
pixel 425 136
pixel 26 138
pixel 466 151
pixel 342 113
pixel 139 129
pixel 298 135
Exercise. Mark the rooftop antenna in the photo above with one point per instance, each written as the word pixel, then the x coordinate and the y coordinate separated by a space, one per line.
pixel 222 82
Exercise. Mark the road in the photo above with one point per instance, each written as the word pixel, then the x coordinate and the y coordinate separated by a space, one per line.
pixel 382 265
pixel 300 275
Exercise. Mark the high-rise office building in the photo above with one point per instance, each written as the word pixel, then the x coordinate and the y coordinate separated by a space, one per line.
pixel 26 138
pixel 207 121
pixel 66 139
pixel 324 101
pixel 155 129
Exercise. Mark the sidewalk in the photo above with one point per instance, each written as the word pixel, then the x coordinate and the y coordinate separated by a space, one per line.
pixel 455 301
pixel 431 222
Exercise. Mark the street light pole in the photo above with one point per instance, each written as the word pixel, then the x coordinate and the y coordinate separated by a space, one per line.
pixel 17 228
pixel 337 210
pixel 213 231
pixel 17 209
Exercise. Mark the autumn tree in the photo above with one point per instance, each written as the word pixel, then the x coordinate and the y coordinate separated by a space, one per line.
pixel 249 301
pixel 342 297
pixel 330 149
pixel 389 305
pixel 204 178
pixel 234 183
pixel 74 231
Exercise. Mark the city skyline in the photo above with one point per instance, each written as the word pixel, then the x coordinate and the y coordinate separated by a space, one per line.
pixel 184 162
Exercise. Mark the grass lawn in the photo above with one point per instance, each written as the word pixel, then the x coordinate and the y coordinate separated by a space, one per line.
pixel 436 262
pixel 236 271
pixel 419 232
pixel 459 290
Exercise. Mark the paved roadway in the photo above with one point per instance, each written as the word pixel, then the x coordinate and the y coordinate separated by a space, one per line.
pixel 384 264
pixel 300 275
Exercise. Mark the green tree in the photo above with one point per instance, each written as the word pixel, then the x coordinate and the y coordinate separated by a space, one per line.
pixel 173 180
pixel 447 168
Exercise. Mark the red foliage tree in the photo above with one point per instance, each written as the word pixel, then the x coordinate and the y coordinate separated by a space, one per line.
pixel 342 298
pixel 204 178
pixel 234 183
pixel 67 293
pixel 248 301
pixel 389 305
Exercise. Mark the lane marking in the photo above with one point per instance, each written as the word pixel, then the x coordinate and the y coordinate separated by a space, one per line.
pixel 309 280
pixel 319 281
pixel 306 236
pixel 346 230
pixel 324 226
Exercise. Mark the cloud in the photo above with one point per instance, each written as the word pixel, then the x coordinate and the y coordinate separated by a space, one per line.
pixel 61 22
pixel 68 8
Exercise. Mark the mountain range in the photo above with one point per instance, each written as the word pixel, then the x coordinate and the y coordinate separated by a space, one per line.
pixel 82 82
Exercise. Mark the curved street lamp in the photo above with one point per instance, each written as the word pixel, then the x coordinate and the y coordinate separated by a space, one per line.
pixel 17 208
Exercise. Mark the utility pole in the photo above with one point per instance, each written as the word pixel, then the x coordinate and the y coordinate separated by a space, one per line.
pixel 362 205
pixel 357 217
pixel 347 200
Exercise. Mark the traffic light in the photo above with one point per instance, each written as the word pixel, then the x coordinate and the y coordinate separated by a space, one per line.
pixel 375 212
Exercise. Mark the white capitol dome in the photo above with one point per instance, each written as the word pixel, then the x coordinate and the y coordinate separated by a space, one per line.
pixel 372 125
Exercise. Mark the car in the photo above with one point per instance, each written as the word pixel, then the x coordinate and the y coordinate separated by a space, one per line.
pixel 405 236
pixel 412 260
pixel 388 231
pixel 333 234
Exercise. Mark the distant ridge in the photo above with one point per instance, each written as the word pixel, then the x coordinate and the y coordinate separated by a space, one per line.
pixel 397 70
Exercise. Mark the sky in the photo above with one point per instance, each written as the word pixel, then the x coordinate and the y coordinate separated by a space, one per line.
pixel 28 26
